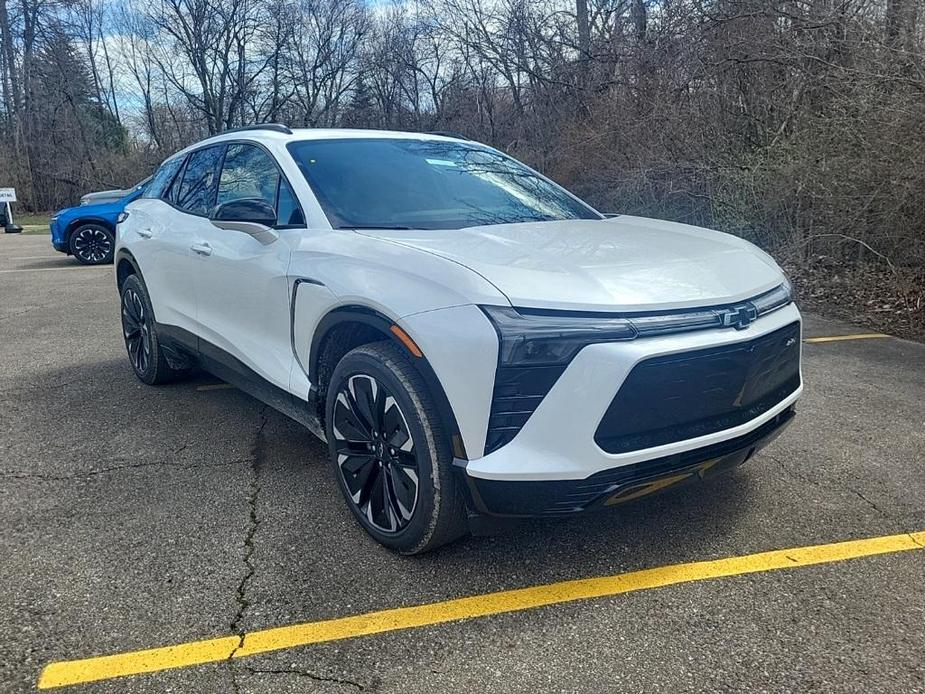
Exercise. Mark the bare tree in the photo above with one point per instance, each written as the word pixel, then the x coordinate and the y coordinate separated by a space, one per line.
pixel 211 36
pixel 791 123
pixel 321 56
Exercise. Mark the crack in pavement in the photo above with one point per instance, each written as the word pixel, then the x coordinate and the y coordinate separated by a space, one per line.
pixel 789 470
pixel 808 480
pixel 241 599
pixel 305 673
pixel 870 503
pixel 17 314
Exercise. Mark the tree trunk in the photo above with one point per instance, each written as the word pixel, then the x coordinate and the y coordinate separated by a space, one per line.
pixel 584 29
pixel 640 18
pixel 894 20
pixel 10 81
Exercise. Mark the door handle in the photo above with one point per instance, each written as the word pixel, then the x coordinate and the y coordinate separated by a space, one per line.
pixel 201 248
pixel 144 233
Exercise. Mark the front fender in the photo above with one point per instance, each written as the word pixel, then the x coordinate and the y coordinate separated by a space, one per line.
pixel 461 346
pixel 435 300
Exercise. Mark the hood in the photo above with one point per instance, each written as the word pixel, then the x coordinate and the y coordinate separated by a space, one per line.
pixel 103 196
pixel 101 207
pixel 620 264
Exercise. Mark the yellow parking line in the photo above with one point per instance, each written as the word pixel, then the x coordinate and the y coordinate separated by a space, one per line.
pixel 215 386
pixel 840 338
pixel 214 650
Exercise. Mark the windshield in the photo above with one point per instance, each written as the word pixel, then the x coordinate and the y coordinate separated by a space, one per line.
pixel 379 183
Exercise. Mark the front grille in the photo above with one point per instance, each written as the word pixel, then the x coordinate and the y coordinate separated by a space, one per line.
pixel 683 396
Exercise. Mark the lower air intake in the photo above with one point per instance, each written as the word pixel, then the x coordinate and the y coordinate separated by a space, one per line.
pixel 683 396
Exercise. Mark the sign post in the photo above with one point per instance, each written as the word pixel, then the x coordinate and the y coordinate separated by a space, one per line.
pixel 8 195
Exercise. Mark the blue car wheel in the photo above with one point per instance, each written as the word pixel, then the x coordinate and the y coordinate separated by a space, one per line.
pixel 92 244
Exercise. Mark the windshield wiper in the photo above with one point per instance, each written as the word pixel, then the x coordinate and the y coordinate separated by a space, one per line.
pixel 386 227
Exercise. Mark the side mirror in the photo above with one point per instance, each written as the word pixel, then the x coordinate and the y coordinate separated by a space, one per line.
pixel 253 216
pixel 256 210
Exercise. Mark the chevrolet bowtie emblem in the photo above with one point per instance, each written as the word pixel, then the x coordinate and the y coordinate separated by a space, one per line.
pixel 739 317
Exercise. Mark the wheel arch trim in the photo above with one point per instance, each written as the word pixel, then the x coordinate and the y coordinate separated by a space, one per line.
pixel 81 221
pixel 359 313
pixel 125 255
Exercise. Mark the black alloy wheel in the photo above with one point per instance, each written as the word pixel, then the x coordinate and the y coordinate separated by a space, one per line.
pixel 376 453
pixel 390 451
pixel 139 330
pixel 92 244
pixel 136 330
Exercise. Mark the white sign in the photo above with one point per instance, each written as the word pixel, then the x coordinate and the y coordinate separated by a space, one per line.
pixel 7 195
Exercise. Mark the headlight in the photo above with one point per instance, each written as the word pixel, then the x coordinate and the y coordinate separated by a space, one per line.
pixel 529 339
pixel 547 338
pixel 774 299
pixel 123 215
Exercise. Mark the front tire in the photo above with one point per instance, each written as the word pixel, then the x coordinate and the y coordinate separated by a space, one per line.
pixel 390 453
pixel 92 244
pixel 140 334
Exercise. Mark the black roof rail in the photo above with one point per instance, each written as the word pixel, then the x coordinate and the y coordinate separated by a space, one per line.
pixel 448 133
pixel 275 127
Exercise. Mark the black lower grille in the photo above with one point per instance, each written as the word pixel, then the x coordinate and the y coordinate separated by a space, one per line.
pixel 683 396
pixel 518 392
pixel 564 497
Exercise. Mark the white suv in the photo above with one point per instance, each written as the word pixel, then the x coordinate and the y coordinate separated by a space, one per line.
pixel 470 339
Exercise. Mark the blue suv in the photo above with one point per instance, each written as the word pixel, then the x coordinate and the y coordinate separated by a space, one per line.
pixel 88 232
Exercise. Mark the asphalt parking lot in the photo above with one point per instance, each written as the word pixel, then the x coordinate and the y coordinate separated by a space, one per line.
pixel 136 517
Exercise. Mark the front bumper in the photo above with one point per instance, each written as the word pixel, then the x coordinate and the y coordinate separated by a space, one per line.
pixel 558 450
pixel 58 241
pixel 621 484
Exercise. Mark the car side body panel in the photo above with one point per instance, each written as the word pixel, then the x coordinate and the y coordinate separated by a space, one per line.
pixel 387 277
pixel 246 316
pixel 158 237
pixel 310 301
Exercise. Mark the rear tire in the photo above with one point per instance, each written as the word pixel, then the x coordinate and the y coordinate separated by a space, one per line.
pixel 92 244
pixel 139 331
pixel 389 451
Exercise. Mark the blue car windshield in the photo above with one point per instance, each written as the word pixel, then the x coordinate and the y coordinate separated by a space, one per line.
pixel 380 183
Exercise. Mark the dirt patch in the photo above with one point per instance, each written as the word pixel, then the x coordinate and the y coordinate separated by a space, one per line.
pixel 876 296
